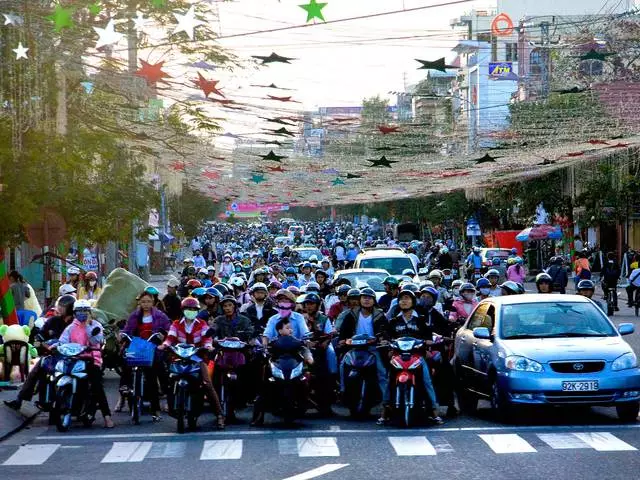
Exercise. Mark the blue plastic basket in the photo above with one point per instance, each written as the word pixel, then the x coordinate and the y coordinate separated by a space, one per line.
pixel 140 353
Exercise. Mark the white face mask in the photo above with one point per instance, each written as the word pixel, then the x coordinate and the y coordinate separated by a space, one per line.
pixel 92 283
pixel 190 314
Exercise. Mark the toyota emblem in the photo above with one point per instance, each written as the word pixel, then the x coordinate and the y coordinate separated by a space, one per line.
pixel 578 366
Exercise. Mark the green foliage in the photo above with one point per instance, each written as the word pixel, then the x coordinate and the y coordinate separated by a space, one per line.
pixel 191 208
pixel 374 111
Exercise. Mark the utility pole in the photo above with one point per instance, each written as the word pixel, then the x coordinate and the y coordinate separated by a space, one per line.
pixel 546 57
pixel 132 51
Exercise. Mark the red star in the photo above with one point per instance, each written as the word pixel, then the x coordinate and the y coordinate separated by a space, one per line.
pixel 276 169
pixel 152 73
pixel 574 154
pixel 620 145
pixel 178 166
pixel 207 86
pixel 211 175
pixel 598 142
pixel 386 130
pixel 281 99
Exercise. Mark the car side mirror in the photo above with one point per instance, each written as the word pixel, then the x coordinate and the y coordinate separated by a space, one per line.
pixel 482 333
pixel 626 328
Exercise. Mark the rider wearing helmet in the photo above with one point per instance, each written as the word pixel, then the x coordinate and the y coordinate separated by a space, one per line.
pixel 239 286
pixel 408 286
pixel 436 276
pixel 73 277
pixel 291 278
pixel 511 288
pixel 341 305
pixel 493 275
pixel 261 308
pixel 516 271
pixel 544 283
pixel 210 303
pixel 409 322
pixel 391 287
pixel 455 288
pixel 463 307
pixel 192 330
pixel 587 288
pixel 483 287
pixel 353 301
pixel 473 262
pixel 203 276
pixel 89 290
pixel 558 274
pixel 306 275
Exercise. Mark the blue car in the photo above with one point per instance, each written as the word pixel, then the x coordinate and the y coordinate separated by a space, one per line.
pixel 544 349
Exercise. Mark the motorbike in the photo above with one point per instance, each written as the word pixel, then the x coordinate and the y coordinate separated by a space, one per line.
pixel 447 278
pixel 361 392
pixel 229 358
pixel 111 359
pixel 406 367
pixel 186 393
pixel 46 383
pixel 139 384
pixel 71 394
pixel 288 384
pixel 322 393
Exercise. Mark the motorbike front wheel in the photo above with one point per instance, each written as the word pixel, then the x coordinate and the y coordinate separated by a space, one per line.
pixel 62 409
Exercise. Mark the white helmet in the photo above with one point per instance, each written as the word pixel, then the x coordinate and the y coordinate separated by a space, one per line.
pixel 237 282
pixel 203 270
pixel 259 286
pixel 73 271
pixel 211 268
pixel 81 305
pixel 66 289
pixel 313 258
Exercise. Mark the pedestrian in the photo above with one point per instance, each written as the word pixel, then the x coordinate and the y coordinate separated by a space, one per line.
pixel 19 289
pixel 610 277
pixel 582 268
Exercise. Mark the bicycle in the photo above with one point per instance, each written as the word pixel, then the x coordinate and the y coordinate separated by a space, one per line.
pixel 611 300
pixel 636 302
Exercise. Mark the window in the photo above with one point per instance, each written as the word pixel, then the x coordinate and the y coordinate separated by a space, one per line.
pixel 477 319
pixel 512 52
pixel 393 265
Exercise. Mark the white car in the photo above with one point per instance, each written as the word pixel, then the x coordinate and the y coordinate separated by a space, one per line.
pixel 364 277
pixel 393 260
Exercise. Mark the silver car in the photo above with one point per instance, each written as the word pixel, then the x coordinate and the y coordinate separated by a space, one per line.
pixel 543 349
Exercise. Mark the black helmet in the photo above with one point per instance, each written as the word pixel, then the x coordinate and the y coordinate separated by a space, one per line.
pixel 67 302
pixel 312 298
pixel 543 278
pixel 586 285
pixel 368 292
pixel 222 288
pixel 229 298
pixel 393 281
pixel 510 288
pixel 408 293
pixel 353 293
pixel 411 287
pixel 191 270
pixel 344 290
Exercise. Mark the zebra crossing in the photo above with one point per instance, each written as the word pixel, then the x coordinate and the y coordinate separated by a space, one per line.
pixel 132 452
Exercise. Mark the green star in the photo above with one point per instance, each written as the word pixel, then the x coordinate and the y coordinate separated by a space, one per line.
pixel 257 179
pixel 337 181
pixel 61 18
pixel 314 10
pixel 95 8
pixel 158 3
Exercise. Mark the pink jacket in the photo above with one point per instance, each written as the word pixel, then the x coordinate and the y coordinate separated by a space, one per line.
pixel 460 307
pixel 514 275
pixel 79 332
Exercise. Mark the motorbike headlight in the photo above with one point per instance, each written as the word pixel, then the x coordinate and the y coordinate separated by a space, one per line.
pixel 625 362
pixel 276 372
pixel 78 367
pixel 296 372
pixel 522 364
pixel 60 366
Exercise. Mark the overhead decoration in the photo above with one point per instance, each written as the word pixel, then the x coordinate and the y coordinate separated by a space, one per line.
pixel 108 35
pixel 502 25
pixel 273 58
pixel 61 18
pixel 434 65
pixel 277 120
pixel 281 131
pixel 337 181
pixel 386 130
pixel 207 86
pixel 258 178
pixel 11 19
pixel 314 10
pixel 595 55
pixel 188 22
pixel 352 175
pixel 487 158
pixel 21 52
pixel 272 157
pixel 382 162
pixel 152 73
pixel 282 99
pixel 95 8
pixel 272 85
pixel 140 22
pixel 278 168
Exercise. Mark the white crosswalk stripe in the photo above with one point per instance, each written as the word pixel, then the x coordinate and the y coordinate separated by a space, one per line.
pixel 221 450
pixel 318 447
pixel 508 443
pixel 32 455
pixel 412 446
pixel 123 452
pixel 604 442
pixel 167 450
pixel 562 441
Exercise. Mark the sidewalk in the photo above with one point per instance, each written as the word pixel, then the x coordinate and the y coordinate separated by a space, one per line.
pixel 10 420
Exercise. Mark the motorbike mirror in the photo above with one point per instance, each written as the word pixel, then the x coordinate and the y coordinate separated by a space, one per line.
pixel 95 331
pixel 210 332
pixel 348 342
pixel 121 324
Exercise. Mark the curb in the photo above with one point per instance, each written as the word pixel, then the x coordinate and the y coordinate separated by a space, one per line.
pixel 25 423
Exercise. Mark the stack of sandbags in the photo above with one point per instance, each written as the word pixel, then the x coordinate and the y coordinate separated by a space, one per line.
pixel 118 298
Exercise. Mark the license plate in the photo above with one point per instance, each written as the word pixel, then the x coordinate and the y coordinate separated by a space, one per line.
pixel 447 277
pixel 580 386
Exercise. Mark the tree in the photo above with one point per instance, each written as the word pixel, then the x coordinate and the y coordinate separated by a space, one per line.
pixel 191 208
pixel 375 111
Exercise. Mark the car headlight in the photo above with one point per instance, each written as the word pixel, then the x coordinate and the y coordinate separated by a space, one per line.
pixel 624 362
pixel 276 372
pixel 522 364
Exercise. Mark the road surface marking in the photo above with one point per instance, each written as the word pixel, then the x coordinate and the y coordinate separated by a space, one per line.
pixel 441 445
pixel 317 472
pixel 123 452
pixel 562 441
pixel 318 447
pixel 221 450
pixel 32 454
pixel 288 446
pixel 412 446
pixel 604 442
pixel 167 450
pixel 508 443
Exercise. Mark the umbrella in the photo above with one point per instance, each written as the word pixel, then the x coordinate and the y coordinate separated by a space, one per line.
pixel 540 232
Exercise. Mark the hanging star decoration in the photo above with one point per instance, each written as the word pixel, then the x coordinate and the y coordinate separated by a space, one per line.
pixel 314 10
pixel 383 149
pixel 188 22
pixel 594 55
pixel 485 159
pixel 337 181
pixel 88 87
pixel 382 162
pixel 575 154
pixel 282 131
pixel 353 175
pixel 139 22
pixel 277 120
pixel 273 58
pixel 152 73
pixel 272 157
pixel 211 175
pixel 108 35
pixel 274 142
pixel 566 91
pixel 178 166
pixel 386 130
pixel 207 86
pixel 11 19
pixel 282 99
pixel 95 8
pixel 595 141
pixel 272 85
pixel 158 3
pixel 277 168
pixel 434 65
pixel 61 18
pixel 21 52
pixel 203 65
pixel 258 178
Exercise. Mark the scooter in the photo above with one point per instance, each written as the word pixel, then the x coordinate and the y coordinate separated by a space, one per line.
pixel 361 390
pixel 321 387
pixel 447 278
pixel 406 366
pixel 71 392
pixel 229 358
pixel 186 393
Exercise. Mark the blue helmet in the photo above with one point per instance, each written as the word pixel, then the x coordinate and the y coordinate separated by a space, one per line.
pixel 483 283
pixel 432 291
pixel 214 292
pixel 198 292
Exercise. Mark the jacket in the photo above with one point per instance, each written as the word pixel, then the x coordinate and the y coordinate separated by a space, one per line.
pixel 178 334
pixel 172 306
pixel 416 327
pixel 559 277
pixel 160 322
pixel 459 313
pixel 350 323
pixel 516 275
pixel 268 311
pixel 237 326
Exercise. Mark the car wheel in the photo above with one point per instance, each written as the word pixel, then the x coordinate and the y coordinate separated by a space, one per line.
pixel 502 410
pixel 628 412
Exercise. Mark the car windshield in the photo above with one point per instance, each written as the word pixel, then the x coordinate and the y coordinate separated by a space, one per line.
pixel 366 279
pixel 393 265
pixel 306 253
pixel 554 320
pixel 502 254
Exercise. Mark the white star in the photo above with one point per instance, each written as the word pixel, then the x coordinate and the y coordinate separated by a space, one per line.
pixel 10 19
pixel 188 22
pixel 21 52
pixel 140 23
pixel 108 36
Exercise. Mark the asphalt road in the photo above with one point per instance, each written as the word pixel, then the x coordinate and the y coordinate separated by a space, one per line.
pixel 560 443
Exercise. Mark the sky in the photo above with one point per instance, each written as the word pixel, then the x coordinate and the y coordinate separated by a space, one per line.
pixel 338 64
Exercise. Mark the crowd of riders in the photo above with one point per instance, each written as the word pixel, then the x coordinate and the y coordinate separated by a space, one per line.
pixel 244 282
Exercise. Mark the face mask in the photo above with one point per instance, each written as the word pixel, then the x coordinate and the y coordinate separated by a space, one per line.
pixel 456 292
pixel 92 283
pixel 485 291
pixel 426 301
pixel 468 296
pixel 284 312
pixel 190 314
pixel 82 316
pixel 291 279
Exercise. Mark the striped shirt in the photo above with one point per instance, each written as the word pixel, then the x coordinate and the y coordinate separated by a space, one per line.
pixel 195 335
